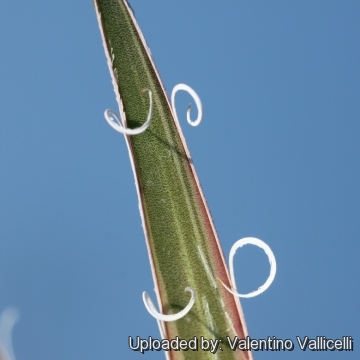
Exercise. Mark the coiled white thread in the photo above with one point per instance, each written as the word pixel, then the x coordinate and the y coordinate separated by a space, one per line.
pixel 257 242
pixel 196 99
pixel 116 123
pixel 110 116
pixel 171 317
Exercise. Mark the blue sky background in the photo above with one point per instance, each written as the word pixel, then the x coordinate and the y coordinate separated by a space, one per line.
pixel 277 154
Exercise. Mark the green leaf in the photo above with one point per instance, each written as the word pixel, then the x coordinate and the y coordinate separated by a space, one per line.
pixel 182 242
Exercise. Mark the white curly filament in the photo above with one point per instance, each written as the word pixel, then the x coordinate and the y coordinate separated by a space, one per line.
pixel 257 242
pixel 172 317
pixel 118 125
pixel 196 99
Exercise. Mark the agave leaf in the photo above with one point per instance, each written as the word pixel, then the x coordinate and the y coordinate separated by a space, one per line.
pixel 182 242
pixel 8 318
